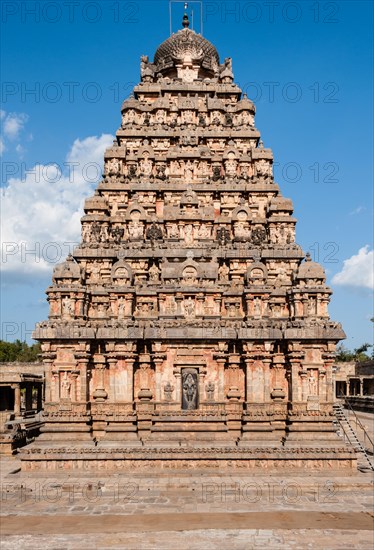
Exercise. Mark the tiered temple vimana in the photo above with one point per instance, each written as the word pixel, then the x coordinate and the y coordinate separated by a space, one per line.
pixel 188 329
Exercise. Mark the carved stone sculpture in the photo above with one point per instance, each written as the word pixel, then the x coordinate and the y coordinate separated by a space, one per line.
pixel 188 329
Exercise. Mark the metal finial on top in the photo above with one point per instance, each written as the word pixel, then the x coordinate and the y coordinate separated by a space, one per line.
pixel 186 21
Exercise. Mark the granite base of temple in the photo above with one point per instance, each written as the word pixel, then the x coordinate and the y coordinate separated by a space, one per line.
pixel 125 458
pixel 308 445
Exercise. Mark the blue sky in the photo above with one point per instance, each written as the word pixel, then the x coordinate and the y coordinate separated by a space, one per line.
pixel 66 68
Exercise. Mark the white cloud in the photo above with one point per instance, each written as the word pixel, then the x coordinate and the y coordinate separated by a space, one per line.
pixel 358 270
pixel 41 212
pixel 357 210
pixel 13 124
pixel 20 150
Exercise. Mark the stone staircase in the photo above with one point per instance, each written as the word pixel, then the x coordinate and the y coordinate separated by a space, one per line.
pixel 346 431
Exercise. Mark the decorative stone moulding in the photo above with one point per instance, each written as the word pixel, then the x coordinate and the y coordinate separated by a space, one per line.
pixel 188 329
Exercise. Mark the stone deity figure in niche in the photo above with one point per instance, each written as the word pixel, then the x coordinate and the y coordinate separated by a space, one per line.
pixel 112 166
pixel 263 168
pixel 129 117
pixel 168 391
pixel 231 166
pixel 174 231
pixel 188 172
pixel 204 232
pixel 257 306
pixel 187 117
pixel 209 388
pixel 86 233
pixel 188 234
pixel 121 307
pixel 154 274
pixel 247 118
pixel 312 384
pixel 146 166
pixel 67 307
pixel 65 387
pixel 223 273
pixel 189 307
pixel 136 230
pixel 160 117
pixel 189 389
pixel 189 275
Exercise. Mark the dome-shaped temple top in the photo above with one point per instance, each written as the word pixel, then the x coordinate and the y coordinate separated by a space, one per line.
pixel 188 56
pixel 189 49
pixel 67 270
pixel 311 270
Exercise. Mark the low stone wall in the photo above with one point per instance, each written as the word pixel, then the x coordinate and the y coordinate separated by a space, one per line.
pixel 24 368
pixel 364 404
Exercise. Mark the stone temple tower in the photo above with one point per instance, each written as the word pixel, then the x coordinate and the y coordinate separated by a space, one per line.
pixel 188 329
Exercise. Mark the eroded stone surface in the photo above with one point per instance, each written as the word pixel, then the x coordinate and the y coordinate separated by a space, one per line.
pixel 187 330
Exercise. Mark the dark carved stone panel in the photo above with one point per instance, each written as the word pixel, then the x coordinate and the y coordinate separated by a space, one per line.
pixel 190 389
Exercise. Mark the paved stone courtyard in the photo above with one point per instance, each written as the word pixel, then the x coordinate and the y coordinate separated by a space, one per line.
pixel 171 510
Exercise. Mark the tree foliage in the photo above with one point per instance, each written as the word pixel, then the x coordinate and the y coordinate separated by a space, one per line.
pixel 11 352
pixel 344 355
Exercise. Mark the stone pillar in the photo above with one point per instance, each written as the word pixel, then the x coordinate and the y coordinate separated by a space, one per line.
pixel 327 371
pixel 82 367
pixel 130 378
pixel 295 359
pixel 295 382
pixel 55 387
pixel 73 389
pixel 178 383
pixel 266 362
pixel 248 301
pixel 100 393
pixel 221 360
pixel 145 377
pixel 48 380
pixel 17 399
pixel 80 302
pixel 112 362
pixel 179 299
pixel 40 397
pixel 324 386
pixel 298 306
pixel 28 399
pixel 304 384
pixel 158 361
pixel 249 379
pixel 233 377
pixel 278 390
pixel 217 305
pixel 200 299
pixel 161 302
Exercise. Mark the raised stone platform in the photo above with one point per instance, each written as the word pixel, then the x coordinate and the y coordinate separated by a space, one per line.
pixel 164 510
pixel 110 457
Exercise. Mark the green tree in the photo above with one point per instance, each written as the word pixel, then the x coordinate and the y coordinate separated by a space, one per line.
pixel 344 355
pixel 11 352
